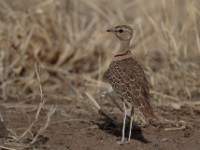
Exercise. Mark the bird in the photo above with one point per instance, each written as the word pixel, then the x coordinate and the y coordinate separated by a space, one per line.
pixel 128 80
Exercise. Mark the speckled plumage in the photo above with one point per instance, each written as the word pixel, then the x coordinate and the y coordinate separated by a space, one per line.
pixel 129 82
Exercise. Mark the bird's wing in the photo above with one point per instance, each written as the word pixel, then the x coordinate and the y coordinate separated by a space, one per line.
pixel 129 81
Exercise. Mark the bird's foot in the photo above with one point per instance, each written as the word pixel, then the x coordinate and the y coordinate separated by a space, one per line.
pixel 128 142
pixel 121 142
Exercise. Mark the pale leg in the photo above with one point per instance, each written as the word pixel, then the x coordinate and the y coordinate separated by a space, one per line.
pixel 131 124
pixel 124 126
pixel 130 129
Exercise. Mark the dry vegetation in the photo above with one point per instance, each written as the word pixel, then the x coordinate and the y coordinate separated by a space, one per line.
pixel 66 40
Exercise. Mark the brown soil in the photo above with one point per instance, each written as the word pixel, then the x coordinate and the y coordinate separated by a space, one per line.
pixel 76 129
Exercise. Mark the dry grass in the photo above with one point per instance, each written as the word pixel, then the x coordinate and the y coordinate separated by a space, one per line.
pixel 67 39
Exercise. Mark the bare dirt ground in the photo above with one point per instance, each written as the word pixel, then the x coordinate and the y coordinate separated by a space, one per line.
pixel 53 54
pixel 75 129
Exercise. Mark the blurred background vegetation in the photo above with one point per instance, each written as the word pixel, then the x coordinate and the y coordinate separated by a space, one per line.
pixel 67 41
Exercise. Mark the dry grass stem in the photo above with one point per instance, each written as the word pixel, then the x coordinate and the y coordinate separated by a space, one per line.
pixel 49 115
pixel 1 118
pixel 176 128
pixel 6 148
pixel 101 111
pixel 42 102
pixel 93 101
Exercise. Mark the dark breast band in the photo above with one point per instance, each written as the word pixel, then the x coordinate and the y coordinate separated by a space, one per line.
pixel 124 56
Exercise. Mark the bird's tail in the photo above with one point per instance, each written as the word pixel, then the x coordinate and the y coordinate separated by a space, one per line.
pixel 147 110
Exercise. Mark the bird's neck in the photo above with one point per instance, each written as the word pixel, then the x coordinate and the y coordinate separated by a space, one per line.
pixel 124 52
pixel 124 48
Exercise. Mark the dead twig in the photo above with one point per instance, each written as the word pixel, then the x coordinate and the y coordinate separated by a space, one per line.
pixel 7 148
pixel 176 128
pixel 39 108
pixel 100 110
pixel 49 115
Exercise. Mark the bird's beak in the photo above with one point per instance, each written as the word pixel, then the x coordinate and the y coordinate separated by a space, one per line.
pixel 110 30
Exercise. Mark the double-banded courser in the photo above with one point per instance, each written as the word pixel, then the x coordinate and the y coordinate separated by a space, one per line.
pixel 127 78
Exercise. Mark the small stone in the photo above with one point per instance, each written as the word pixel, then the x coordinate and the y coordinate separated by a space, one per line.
pixel 164 139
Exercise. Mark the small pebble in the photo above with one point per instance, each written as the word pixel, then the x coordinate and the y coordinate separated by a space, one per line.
pixel 164 139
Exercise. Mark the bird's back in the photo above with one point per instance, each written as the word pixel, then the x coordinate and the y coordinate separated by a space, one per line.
pixel 128 80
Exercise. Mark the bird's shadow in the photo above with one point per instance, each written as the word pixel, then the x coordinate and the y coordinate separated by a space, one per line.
pixel 115 128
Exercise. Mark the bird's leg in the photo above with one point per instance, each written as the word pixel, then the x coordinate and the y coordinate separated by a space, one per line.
pixel 124 125
pixel 131 124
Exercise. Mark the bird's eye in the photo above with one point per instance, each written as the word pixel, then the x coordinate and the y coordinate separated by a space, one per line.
pixel 120 30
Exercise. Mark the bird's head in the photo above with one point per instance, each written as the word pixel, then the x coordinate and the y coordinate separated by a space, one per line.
pixel 123 32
